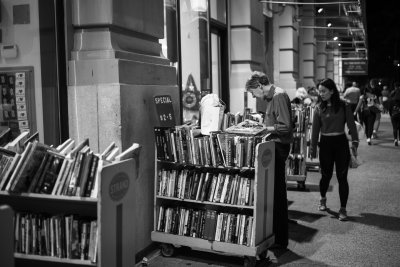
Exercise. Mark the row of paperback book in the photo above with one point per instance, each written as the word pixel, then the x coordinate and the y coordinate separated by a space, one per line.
pixel 196 184
pixel 69 169
pixel 61 236
pixel 207 224
pixel 185 144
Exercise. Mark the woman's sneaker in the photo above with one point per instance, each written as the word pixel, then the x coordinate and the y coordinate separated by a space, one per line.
pixel 343 214
pixel 322 204
pixel 396 143
pixel 369 141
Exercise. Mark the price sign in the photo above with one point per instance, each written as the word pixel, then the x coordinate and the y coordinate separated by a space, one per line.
pixel 165 110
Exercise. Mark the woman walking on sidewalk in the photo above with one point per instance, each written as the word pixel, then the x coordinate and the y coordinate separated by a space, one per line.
pixel 329 120
pixel 394 112
pixel 369 105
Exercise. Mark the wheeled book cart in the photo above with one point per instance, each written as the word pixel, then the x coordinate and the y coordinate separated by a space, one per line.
pixel 114 211
pixel 296 163
pixel 259 239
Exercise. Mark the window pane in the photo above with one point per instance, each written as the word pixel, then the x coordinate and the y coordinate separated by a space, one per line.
pixel 194 51
pixel 218 10
pixel 215 64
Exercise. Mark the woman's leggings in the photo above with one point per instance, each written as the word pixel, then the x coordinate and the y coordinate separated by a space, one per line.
pixel 368 118
pixel 334 150
pixel 396 126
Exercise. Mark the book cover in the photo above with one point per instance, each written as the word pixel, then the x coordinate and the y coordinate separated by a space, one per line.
pixel 214 182
pixel 213 225
pixel 92 174
pixel 50 174
pixel 38 173
pixel 74 181
pixel 59 176
pixel 40 181
pixel 84 174
pixel 222 146
pixel 206 186
pixel 8 169
pixel 64 176
pixel 13 178
pixel 75 248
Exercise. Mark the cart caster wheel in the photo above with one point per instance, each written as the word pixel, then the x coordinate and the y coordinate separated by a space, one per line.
pixel 250 261
pixel 301 185
pixel 167 250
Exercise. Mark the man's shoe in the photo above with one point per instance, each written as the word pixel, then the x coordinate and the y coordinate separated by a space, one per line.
pixel 369 141
pixel 374 135
pixel 343 214
pixel 322 204
pixel 396 143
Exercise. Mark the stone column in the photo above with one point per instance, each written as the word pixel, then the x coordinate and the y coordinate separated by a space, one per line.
pixel 307 47
pixel 329 65
pixel 115 72
pixel 246 49
pixel 286 45
pixel 321 60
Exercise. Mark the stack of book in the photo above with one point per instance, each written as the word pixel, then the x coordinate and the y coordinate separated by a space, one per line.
pixel 66 170
pixel 61 236
pixel 196 184
pixel 206 224
pixel 185 144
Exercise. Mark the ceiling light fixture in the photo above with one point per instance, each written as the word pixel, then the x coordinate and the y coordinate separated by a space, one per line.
pixel 335 38
pixel 329 24
pixel 320 10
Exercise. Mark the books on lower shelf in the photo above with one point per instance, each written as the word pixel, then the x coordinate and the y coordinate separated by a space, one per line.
pixel 61 236
pixel 206 224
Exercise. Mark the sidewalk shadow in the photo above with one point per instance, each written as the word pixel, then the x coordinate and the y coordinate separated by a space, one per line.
pixel 382 221
pixel 309 188
pixel 288 257
pixel 304 216
pixel 301 233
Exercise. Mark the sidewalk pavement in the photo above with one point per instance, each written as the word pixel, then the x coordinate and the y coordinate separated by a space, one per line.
pixel 371 236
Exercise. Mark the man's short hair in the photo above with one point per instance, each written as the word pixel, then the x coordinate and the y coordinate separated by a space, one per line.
pixel 257 78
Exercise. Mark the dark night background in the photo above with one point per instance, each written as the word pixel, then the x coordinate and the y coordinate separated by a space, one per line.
pixel 383 30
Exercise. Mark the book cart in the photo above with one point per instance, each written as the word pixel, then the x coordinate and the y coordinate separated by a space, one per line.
pixel 201 218
pixel 112 210
pixel 296 163
pixel 312 164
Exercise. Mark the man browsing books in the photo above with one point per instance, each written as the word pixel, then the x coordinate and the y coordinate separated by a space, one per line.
pixel 278 119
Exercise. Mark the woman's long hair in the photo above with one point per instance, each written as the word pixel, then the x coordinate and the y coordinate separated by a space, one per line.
pixel 336 102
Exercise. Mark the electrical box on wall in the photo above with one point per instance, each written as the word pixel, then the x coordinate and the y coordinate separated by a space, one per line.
pixel 9 51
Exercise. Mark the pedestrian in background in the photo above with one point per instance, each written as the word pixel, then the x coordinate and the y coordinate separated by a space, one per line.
pixel 369 105
pixel 328 124
pixel 376 90
pixel 278 119
pixel 394 112
pixel 351 96
pixel 385 98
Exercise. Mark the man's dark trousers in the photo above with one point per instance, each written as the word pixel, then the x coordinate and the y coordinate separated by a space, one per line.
pixel 280 222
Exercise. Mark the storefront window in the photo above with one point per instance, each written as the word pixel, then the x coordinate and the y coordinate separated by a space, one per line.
pixel 218 10
pixel 194 56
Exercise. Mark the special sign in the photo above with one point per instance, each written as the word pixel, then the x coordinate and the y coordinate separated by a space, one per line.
pixel 165 110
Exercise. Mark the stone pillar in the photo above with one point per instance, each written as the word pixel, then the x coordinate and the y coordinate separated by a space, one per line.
pixel 286 45
pixel 321 61
pixel 115 72
pixel 246 49
pixel 329 65
pixel 307 47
